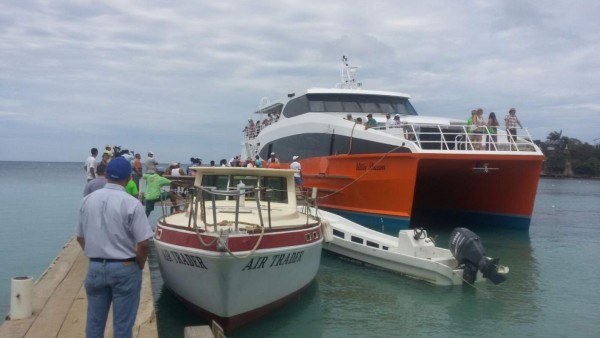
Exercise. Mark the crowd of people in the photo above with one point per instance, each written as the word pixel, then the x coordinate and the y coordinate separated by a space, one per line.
pixel 114 231
pixel 370 122
pixel 478 128
pixel 252 129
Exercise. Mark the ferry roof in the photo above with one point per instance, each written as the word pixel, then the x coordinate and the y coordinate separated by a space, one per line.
pixel 244 171
pixel 354 91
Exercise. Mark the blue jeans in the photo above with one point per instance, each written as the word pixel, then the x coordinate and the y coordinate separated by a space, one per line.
pixel 118 283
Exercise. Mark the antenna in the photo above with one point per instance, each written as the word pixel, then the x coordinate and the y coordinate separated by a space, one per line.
pixel 348 75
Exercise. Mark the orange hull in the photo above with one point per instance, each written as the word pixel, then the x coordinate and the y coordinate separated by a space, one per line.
pixel 400 190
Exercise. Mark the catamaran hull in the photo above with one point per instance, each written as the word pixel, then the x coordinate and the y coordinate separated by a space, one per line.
pixel 236 291
pixel 391 192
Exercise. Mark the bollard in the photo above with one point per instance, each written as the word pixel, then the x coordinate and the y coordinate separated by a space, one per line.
pixel 21 299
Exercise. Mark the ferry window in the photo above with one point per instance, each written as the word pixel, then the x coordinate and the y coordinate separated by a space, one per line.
pixel 351 107
pixel 338 233
pixel 333 106
pixel 317 106
pixel 369 107
pixel 349 103
pixel 387 108
pixel 295 107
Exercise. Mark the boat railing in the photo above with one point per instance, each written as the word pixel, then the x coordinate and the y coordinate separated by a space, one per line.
pixel 209 195
pixel 463 137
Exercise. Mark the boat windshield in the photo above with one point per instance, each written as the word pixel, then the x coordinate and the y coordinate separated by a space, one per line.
pixel 348 103
pixel 278 185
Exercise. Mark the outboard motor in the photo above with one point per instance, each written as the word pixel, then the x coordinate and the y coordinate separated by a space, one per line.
pixel 467 249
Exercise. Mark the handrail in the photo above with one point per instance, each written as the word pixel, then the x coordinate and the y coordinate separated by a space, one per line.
pixel 236 194
pixel 437 136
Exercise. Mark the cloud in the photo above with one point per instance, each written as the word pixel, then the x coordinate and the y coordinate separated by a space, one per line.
pixel 182 77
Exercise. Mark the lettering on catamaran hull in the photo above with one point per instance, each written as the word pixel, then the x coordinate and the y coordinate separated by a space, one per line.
pixel 273 261
pixel 360 166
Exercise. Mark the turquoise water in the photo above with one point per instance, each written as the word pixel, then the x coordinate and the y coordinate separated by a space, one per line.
pixel 551 291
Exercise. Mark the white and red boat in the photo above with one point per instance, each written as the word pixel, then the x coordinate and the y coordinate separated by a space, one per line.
pixel 241 248
pixel 396 176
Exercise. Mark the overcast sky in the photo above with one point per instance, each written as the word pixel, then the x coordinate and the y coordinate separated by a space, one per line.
pixel 181 78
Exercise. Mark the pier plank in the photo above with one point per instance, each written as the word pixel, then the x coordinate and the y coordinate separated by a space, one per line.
pixel 60 303
pixel 51 318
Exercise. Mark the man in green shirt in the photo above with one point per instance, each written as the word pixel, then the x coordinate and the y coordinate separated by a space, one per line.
pixel 131 188
pixel 371 122
pixel 154 181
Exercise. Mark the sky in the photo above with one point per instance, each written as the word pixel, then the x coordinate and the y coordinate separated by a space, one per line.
pixel 181 78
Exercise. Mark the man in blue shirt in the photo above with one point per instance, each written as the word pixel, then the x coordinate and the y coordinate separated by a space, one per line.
pixel 114 233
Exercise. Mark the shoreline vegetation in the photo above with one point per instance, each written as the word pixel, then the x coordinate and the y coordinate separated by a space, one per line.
pixel 568 157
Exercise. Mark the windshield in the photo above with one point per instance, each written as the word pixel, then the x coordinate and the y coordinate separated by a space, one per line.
pixel 349 103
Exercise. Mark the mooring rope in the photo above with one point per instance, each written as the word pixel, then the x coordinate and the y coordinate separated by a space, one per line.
pixel 363 174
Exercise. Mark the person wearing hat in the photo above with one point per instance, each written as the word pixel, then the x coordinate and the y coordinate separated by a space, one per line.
pixel 511 122
pixel 396 122
pixel 273 162
pixel 388 121
pixel 114 234
pixel 371 123
pixel 296 166
pixel 151 163
pixel 153 193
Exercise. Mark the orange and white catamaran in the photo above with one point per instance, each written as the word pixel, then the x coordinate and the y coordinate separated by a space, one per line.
pixel 397 175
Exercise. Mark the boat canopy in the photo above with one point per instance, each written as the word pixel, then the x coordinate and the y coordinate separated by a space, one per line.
pixel 348 103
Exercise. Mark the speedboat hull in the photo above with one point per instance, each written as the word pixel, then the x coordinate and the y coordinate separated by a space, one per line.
pixel 416 258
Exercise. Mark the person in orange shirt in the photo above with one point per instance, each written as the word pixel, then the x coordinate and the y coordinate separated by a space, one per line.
pixel 273 162
pixel 137 170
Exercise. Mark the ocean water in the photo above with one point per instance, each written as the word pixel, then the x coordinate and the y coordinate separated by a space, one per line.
pixel 551 290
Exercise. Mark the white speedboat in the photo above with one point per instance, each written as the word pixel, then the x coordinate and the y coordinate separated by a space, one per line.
pixel 412 253
pixel 241 248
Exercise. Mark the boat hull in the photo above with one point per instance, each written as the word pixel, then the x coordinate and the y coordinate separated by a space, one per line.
pixel 235 291
pixel 390 192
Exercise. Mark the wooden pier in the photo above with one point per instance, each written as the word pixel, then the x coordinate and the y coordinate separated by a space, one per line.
pixel 60 304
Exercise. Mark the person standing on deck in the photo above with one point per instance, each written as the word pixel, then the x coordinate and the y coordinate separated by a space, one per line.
pixel 90 165
pixel 371 122
pixel 273 162
pixel 512 121
pixel 257 162
pixel 296 166
pixel 151 164
pixel 114 234
pixel 492 127
pixel 388 121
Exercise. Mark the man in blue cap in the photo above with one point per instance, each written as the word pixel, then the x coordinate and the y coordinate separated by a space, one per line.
pixel 114 233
